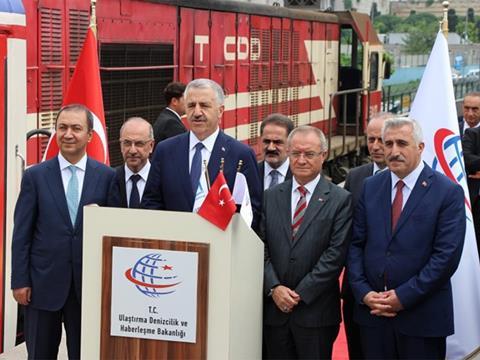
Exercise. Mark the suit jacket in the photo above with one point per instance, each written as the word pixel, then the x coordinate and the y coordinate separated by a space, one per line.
pixel 169 187
pixel 46 248
pixel 471 155
pixel 461 124
pixel 355 179
pixel 167 125
pixel 417 259
pixel 261 172
pixel 312 263
pixel 117 196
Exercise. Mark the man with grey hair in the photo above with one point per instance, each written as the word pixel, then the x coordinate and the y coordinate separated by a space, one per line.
pixel 408 233
pixel 306 227
pixel 136 145
pixel 177 180
pixel 354 184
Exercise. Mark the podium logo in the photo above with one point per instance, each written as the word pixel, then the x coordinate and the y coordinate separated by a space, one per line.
pixel 153 276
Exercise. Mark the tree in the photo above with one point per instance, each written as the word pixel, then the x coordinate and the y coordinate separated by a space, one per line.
pixel 452 20
pixel 374 13
pixel 471 15
pixel 386 23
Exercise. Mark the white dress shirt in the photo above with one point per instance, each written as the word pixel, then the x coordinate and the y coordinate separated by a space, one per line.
pixel 67 174
pixel 282 173
pixel 140 183
pixel 409 181
pixel 296 194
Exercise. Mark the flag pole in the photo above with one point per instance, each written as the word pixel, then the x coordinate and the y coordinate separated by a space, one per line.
pixel 444 22
pixel 93 16
pixel 239 166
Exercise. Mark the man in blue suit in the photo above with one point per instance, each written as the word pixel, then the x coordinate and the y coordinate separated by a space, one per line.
pixel 47 236
pixel 409 228
pixel 176 181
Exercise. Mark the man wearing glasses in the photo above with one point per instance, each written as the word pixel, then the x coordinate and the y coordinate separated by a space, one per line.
pixel 136 144
pixel 306 225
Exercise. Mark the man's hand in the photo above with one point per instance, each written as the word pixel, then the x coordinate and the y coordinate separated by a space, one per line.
pixel 285 298
pixel 376 302
pixel 475 176
pixel 22 295
pixel 390 299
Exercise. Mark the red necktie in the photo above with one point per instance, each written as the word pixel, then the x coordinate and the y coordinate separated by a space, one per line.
pixel 397 204
pixel 299 211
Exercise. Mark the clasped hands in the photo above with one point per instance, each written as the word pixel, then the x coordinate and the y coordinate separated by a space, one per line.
pixel 385 303
pixel 285 298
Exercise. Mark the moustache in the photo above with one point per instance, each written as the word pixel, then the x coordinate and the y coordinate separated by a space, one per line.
pixel 271 152
pixel 396 158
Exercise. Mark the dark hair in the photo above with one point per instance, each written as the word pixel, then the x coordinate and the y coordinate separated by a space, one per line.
pixel 77 107
pixel 279 120
pixel 173 90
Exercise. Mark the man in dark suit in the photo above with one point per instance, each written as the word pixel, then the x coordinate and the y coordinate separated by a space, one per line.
pixel 306 226
pixel 354 184
pixel 169 122
pixel 136 144
pixel 47 236
pixel 471 112
pixel 274 131
pixel 408 233
pixel 176 181
pixel 471 155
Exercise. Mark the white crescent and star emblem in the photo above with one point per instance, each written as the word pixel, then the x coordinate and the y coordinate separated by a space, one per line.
pixel 222 200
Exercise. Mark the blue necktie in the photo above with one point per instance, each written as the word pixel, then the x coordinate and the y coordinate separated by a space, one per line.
pixel 196 169
pixel 134 194
pixel 72 194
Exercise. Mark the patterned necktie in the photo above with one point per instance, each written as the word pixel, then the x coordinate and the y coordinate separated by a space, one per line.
pixel 134 202
pixel 196 168
pixel 274 176
pixel 397 204
pixel 72 194
pixel 299 211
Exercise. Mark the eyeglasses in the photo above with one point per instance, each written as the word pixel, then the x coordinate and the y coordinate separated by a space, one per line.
pixel 138 144
pixel 310 155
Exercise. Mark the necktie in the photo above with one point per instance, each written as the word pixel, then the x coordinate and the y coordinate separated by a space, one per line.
pixel 397 204
pixel 196 168
pixel 72 194
pixel 134 202
pixel 299 211
pixel 274 176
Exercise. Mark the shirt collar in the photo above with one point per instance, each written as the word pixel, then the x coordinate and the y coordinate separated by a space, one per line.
pixel 376 169
pixel 143 171
pixel 209 142
pixel 310 186
pixel 466 126
pixel 173 111
pixel 282 169
pixel 410 179
pixel 64 163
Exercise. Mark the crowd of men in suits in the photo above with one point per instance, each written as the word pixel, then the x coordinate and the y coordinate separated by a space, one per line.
pixel 397 227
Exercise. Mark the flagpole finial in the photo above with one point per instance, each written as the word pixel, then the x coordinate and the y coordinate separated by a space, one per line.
pixel 93 16
pixel 444 22
pixel 239 166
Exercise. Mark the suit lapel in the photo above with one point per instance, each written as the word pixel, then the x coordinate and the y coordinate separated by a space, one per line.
pixel 122 186
pixel 220 150
pixel 55 185
pixel 317 202
pixel 386 202
pixel 88 190
pixel 421 187
pixel 180 161
pixel 284 202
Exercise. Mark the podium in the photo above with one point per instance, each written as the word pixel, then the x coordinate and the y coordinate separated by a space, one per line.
pixel 228 286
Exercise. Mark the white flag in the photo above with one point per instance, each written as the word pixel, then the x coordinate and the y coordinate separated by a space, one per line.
pixel 242 197
pixel 434 108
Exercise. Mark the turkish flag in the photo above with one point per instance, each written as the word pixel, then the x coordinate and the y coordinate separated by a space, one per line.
pixel 85 88
pixel 219 205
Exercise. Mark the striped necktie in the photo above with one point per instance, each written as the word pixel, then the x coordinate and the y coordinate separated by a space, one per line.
pixel 274 175
pixel 299 211
pixel 397 204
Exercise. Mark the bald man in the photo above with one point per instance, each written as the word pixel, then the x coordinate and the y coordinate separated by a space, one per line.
pixel 136 144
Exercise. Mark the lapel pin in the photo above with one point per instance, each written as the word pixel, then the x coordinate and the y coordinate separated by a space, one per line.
pixel 424 183
pixel 223 149
pixel 321 199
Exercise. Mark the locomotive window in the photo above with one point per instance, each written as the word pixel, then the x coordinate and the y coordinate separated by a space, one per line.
pixel 132 85
pixel 351 50
pixel 373 71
